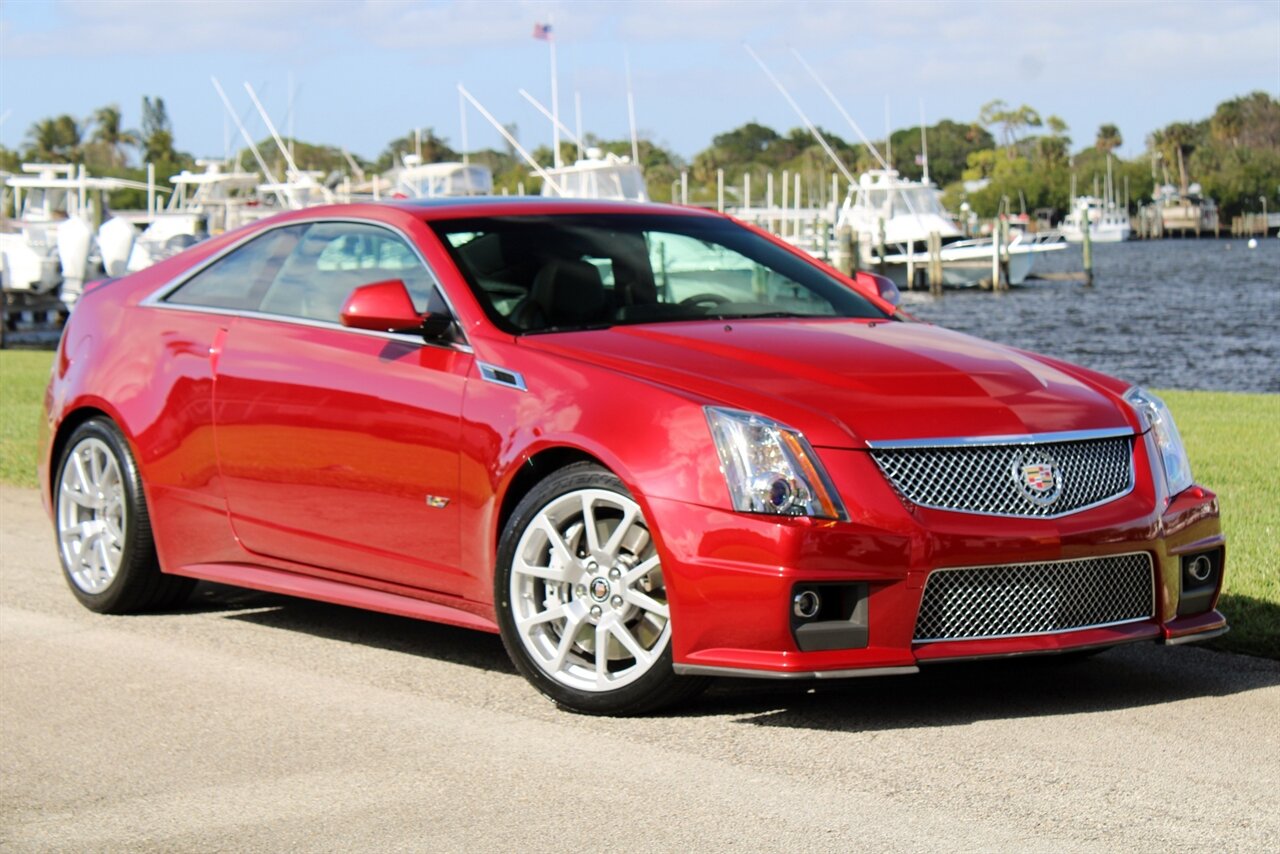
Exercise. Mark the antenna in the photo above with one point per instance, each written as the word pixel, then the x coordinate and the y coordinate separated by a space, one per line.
pixel 848 118
pixel 577 113
pixel 538 104
pixel 808 124
pixel 288 158
pixel 462 114
pixel 888 133
pixel 257 155
pixel 631 113
pixel 355 167
pixel 289 124
pixel 924 144
pixel 542 173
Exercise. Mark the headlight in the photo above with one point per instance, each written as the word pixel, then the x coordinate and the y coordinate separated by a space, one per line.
pixel 1156 417
pixel 770 468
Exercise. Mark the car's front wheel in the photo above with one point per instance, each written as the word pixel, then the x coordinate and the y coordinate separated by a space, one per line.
pixel 582 602
pixel 103 529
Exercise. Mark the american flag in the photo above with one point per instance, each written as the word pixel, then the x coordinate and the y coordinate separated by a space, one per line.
pixel 542 31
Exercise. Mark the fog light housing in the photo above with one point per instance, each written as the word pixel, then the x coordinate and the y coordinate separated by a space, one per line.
pixel 829 615
pixel 1201 576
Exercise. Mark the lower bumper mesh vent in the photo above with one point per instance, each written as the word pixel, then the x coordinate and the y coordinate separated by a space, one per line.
pixel 1035 598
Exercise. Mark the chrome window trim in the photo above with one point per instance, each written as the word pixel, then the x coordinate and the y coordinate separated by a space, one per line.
pixel 1013 439
pixel 156 299
pixel 405 337
pixel 489 373
pixel 1151 564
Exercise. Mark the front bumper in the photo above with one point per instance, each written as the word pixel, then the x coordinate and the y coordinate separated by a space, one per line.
pixel 731 577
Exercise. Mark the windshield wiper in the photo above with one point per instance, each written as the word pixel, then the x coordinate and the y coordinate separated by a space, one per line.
pixel 753 315
pixel 586 327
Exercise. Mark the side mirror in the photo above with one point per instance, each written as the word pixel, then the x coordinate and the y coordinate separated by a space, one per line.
pixel 885 287
pixel 387 307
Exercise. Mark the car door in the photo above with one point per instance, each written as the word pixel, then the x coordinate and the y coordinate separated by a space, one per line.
pixel 338 447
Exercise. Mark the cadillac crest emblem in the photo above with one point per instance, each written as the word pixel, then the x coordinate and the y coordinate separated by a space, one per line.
pixel 1038 476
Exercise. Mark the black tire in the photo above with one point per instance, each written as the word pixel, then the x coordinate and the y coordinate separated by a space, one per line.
pixel 137 583
pixel 658 688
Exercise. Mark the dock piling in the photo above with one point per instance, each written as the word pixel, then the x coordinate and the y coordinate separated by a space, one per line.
pixel 935 263
pixel 880 263
pixel 1088 252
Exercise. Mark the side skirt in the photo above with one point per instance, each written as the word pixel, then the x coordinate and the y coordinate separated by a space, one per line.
pixel 334 592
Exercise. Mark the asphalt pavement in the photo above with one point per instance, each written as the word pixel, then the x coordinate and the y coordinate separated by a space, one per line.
pixel 252 722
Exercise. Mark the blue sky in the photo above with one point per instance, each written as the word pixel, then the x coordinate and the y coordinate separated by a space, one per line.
pixel 366 71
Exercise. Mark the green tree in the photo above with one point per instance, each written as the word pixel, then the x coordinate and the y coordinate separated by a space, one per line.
pixel 157 132
pixel 1012 122
pixel 110 136
pixel 1108 139
pixel 435 149
pixel 55 140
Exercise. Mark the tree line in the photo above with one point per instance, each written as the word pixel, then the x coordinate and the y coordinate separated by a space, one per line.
pixel 1010 157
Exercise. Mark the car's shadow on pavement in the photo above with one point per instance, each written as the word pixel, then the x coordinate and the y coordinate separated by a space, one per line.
pixel 1126 677
pixel 353 625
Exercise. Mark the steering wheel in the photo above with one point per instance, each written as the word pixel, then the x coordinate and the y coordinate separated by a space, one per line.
pixel 707 298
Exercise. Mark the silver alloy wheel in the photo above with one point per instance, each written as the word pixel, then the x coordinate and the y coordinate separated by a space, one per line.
pixel 587 594
pixel 92 515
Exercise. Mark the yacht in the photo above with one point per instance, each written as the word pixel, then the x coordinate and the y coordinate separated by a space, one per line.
pixel 906 212
pixel 418 180
pixel 598 176
pixel 1106 217
pixel 49 248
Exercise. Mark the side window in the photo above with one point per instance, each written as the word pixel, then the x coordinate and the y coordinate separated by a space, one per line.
pixel 239 279
pixel 334 258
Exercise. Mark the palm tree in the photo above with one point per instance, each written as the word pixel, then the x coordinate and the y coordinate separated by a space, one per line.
pixel 55 140
pixel 109 134
pixel 1109 138
pixel 42 138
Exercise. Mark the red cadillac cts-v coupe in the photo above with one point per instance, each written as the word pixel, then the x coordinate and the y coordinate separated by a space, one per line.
pixel 646 444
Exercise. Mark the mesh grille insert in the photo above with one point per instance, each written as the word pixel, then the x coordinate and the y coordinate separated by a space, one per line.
pixel 1029 480
pixel 1035 598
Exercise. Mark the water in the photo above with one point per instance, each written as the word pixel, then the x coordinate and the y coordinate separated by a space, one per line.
pixel 1186 314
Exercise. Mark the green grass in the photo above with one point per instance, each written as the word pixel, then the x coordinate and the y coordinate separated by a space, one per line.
pixel 23 375
pixel 1233 441
pixel 1234 444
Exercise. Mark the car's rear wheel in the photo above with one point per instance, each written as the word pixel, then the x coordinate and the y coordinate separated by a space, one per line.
pixel 104 532
pixel 582 602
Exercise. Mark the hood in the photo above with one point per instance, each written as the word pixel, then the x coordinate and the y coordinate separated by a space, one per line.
pixel 844 382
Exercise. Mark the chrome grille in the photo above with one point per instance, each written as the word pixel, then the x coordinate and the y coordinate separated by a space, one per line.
pixel 985 478
pixel 1035 598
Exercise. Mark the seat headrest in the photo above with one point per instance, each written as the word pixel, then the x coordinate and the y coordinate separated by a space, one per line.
pixel 568 291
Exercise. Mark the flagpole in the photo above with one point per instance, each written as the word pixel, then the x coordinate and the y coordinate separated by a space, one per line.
pixel 555 100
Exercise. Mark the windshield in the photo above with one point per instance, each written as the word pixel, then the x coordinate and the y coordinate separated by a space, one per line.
pixel 565 272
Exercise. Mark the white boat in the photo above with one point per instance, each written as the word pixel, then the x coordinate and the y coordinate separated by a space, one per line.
pixel 207 202
pixel 418 180
pixel 598 176
pixel 1106 222
pixel 49 249
pixel 901 214
pixel 1186 211
pixel 1106 218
